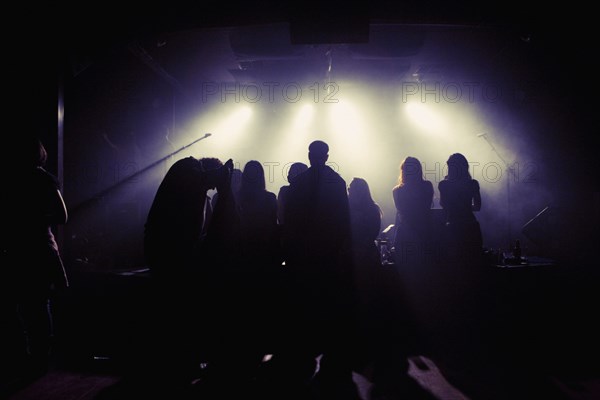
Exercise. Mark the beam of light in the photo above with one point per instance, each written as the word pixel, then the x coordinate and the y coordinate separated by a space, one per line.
pixel 345 119
pixel 284 140
pixel 301 129
pixel 349 139
pixel 303 119
pixel 227 130
pixel 296 132
pixel 234 123
pixel 425 117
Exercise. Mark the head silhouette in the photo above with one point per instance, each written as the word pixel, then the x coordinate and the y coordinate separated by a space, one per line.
pixel 318 153
pixel 210 163
pixel 458 167
pixel 359 192
pixel 296 169
pixel 410 171
pixel 253 177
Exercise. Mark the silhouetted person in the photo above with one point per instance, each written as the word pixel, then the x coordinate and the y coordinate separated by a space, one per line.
pixel 413 198
pixel 365 217
pixel 180 268
pixel 413 246
pixel 257 208
pixel 253 282
pixel 462 286
pixel 222 240
pixel 393 333
pixel 317 237
pixel 460 198
pixel 32 265
pixel 174 224
pixel 295 169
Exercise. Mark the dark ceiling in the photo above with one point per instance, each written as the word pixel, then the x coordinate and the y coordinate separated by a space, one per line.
pixel 390 39
pixel 247 42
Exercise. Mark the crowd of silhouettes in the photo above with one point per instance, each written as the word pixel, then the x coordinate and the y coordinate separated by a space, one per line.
pixel 296 277
pixel 285 291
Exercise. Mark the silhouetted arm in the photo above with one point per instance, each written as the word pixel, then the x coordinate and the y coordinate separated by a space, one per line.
pixel 62 215
pixel 442 194
pixel 273 207
pixel 429 193
pixel 374 222
pixel 396 196
pixel 55 210
pixel 280 205
pixel 476 196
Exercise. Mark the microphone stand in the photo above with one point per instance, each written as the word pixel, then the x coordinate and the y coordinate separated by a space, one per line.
pixel 130 177
pixel 509 171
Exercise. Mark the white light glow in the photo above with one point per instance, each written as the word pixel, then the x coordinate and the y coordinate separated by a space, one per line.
pixel 345 118
pixel 425 117
pixel 227 131
pixel 304 118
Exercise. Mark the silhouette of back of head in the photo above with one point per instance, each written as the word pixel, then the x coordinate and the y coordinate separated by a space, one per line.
pixel 458 167
pixel 410 171
pixel 296 169
pixel 318 152
pixel 210 163
pixel 359 192
pixel 253 177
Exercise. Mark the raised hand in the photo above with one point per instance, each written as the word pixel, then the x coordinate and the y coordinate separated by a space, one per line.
pixel 224 183
pixel 229 165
